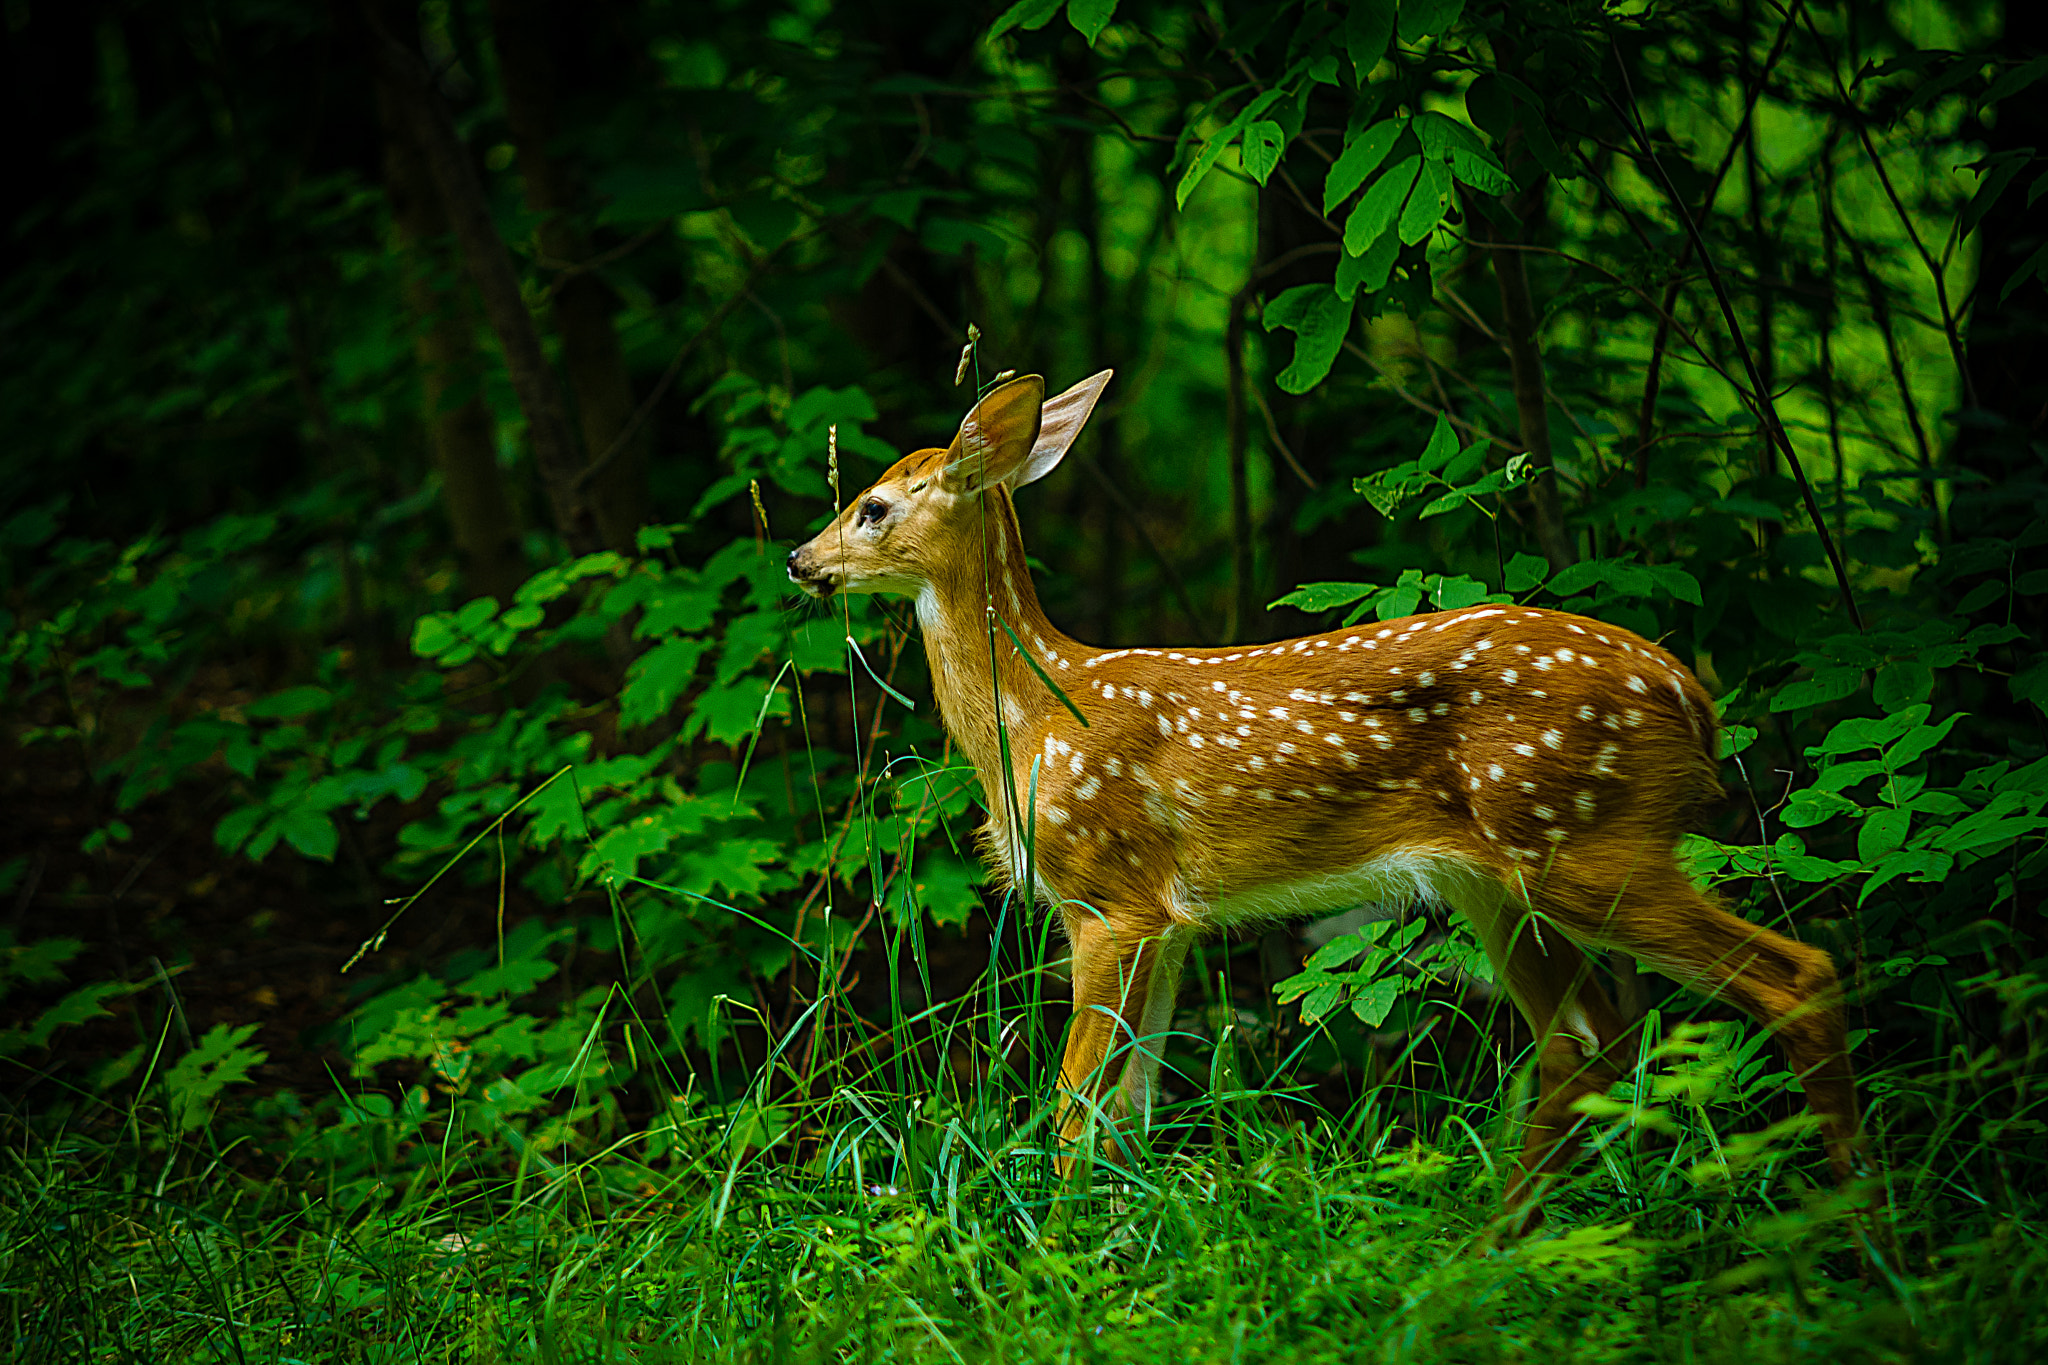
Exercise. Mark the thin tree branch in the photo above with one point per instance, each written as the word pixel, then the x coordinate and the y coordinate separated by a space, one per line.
pixel 1766 408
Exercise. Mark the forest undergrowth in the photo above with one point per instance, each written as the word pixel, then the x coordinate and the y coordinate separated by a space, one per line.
pixel 462 906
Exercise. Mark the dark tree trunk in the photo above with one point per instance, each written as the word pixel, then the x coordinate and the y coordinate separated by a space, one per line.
pixel 556 454
pixel 458 424
pixel 592 359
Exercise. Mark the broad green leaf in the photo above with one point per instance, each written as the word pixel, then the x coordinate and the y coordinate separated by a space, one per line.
pixel 1362 156
pixel 1440 135
pixel 1882 832
pixel 1213 148
pixel 1426 204
pixel 1902 683
pixel 1427 18
pixel 1444 502
pixel 1811 806
pixel 1319 321
pixel 1264 142
pixel 237 825
pixel 1443 445
pixel 1859 733
pixel 1027 14
pixel 2014 80
pixel 1400 600
pixel 1736 738
pixel 1373 1003
pixel 1826 685
pixel 1526 571
pixel 1090 17
pixel 1368 273
pixel 1368 28
pixel 1790 854
pixel 1917 742
pixel 1381 205
pixel 1323 596
pixel 1916 864
pixel 1677 582
pixel 293 701
pixel 2036 264
pixel 2030 684
pixel 1459 590
pixel 657 678
pixel 311 832
pixel 1840 777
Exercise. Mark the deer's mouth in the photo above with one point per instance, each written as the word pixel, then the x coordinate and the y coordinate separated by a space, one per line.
pixel 819 583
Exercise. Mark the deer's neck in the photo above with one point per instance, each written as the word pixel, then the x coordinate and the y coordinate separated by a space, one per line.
pixel 980 679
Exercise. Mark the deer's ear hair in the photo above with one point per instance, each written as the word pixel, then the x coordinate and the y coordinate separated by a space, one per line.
pixel 997 437
pixel 1062 420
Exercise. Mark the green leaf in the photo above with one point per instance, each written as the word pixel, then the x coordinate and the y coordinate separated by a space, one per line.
pixel 1213 148
pixel 1263 144
pixel 1884 831
pixel 2028 268
pixel 2014 80
pixel 1090 17
pixel 1319 320
pixel 1377 211
pixel 1444 502
pixel 1736 738
pixel 1859 733
pixel 236 826
pixel 2030 684
pixel 1426 18
pixel 1457 591
pixel 1400 600
pixel 1028 14
pixel 1323 596
pixel 1903 683
pixel 1442 447
pixel 1368 272
pixel 311 832
pixel 1677 582
pixel 196 1079
pixel 1526 571
pixel 1791 857
pixel 1368 28
pixel 1917 864
pixel 657 678
pixel 1480 171
pixel 1372 1004
pixel 1826 685
pixel 1917 742
pixel 293 701
pixel 1362 156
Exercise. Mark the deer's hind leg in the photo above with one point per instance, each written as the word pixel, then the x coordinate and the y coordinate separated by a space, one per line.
pixel 1788 987
pixel 1579 1036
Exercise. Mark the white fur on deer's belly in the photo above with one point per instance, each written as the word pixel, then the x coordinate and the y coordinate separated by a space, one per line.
pixel 1391 881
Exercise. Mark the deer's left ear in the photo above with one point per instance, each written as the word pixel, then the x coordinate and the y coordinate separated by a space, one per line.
pixel 997 437
pixel 1062 421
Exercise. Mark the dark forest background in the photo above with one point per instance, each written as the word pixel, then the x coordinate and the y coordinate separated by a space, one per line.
pixel 410 744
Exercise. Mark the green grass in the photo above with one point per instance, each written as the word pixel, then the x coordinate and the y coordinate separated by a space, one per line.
pixel 928 1225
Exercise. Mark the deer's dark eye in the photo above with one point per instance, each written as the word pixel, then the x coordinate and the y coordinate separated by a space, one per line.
pixel 872 511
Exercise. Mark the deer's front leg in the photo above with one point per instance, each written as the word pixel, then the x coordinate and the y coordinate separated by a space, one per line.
pixel 1126 967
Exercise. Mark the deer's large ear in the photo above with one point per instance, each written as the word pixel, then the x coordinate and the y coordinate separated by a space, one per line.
pixel 997 437
pixel 1063 419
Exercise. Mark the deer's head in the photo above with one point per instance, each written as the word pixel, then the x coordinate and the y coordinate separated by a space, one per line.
pixel 922 520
